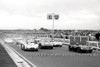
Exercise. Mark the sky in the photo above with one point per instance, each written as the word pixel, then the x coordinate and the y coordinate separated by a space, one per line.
pixel 32 14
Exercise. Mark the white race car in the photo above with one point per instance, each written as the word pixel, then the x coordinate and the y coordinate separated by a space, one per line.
pixel 78 47
pixel 55 43
pixel 46 44
pixel 8 40
pixel 29 46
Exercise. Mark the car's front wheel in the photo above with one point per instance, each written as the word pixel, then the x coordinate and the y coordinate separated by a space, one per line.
pixel 69 47
pixel 60 45
pixel 51 47
pixel 21 47
pixel 36 49
pixel 78 50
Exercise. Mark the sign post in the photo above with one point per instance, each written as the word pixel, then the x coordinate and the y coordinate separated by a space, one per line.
pixel 53 17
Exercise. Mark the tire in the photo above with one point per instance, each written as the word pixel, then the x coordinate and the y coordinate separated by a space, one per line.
pixel 51 47
pixel 78 50
pixel 21 47
pixel 24 48
pixel 90 51
pixel 70 49
pixel 36 50
pixel 60 45
pixel 40 46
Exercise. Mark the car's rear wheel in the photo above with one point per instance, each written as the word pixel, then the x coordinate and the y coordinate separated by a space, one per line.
pixel 40 46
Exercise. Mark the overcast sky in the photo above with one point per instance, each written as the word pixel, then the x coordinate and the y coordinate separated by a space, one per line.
pixel 30 14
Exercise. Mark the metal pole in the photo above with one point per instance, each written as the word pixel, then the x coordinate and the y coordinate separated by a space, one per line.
pixel 53 28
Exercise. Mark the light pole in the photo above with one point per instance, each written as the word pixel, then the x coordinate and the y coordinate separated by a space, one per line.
pixel 53 28
pixel 53 17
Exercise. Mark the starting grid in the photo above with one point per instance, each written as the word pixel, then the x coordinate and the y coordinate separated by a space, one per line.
pixel 72 40
pixel 62 54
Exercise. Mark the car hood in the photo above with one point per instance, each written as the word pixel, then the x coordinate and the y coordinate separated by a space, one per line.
pixel 32 44
pixel 84 46
pixel 47 43
pixel 57 42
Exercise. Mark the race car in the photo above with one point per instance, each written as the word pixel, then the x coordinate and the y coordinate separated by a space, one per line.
pixel 79 47
pixel 94 44
pixel 45 44
pixel 8 41
pixel 30 45
pixel 18 42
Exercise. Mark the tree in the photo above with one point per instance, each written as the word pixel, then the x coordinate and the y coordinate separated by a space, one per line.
pixel 66 37
pixel 44 29
pixel 97 36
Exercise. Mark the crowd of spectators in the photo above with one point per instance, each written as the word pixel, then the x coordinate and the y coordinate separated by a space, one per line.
pixel 81 32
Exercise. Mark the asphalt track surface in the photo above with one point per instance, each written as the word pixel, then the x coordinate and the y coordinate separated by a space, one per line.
pixel 59 57
pixel 5 59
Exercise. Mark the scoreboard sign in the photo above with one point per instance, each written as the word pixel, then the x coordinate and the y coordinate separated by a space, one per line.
pixel 56 17
pixel 49 17
pixel 52 16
